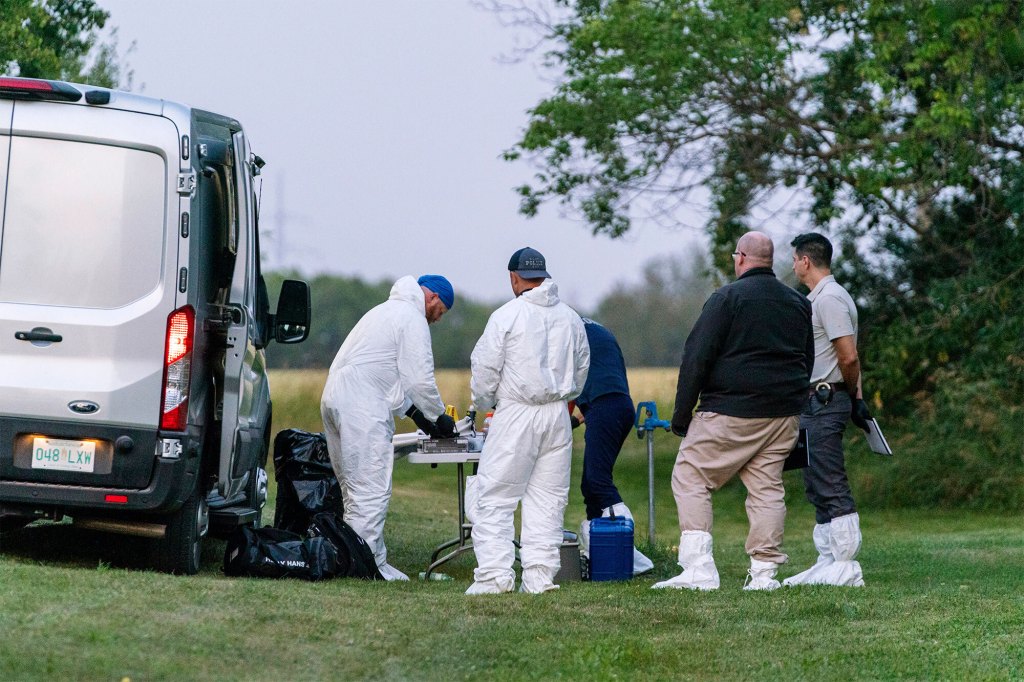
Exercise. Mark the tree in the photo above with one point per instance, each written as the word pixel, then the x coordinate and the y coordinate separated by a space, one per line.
pixel 58 39
pixel 896 109
pixel 900 121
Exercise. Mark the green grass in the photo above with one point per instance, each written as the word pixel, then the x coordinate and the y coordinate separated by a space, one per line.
pixel 944 600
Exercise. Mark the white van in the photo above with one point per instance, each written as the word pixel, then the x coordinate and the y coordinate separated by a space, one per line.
pixel 133 317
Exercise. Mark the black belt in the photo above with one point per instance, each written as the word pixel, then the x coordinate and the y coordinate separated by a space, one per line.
pixel 836 386
pixel 825 390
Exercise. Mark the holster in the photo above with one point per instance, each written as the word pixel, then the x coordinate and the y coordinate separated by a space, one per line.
pixel 824 392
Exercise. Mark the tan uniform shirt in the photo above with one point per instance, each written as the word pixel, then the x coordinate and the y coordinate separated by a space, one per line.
pixel 833 315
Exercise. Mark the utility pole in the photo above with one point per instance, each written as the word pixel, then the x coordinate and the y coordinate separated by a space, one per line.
pixel 276 251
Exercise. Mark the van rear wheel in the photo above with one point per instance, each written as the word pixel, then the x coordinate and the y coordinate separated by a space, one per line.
pixel 256 492
pixel 180 550
pixel 257 486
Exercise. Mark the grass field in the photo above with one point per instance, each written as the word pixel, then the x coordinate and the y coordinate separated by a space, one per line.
pixel 944 600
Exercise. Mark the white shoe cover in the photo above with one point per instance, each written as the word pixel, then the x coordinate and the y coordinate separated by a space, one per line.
pixel 822 542
pixel 761 576
pixel 699 571
pixel 844 544
pixel 537 579
pixel 497 586
pixel 391 573
pixel 641 564
pixel 840 574
pixel 584 538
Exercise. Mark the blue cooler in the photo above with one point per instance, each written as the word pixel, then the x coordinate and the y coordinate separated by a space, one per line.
pixel 611 548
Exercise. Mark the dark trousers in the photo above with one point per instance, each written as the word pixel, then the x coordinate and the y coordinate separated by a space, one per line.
pixel 825 481
pixel 608 419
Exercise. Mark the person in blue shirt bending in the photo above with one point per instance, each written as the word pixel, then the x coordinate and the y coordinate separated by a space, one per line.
pixel 607 410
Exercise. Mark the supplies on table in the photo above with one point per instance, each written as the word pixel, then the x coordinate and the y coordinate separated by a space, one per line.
pixel 467 440
pixel 306 484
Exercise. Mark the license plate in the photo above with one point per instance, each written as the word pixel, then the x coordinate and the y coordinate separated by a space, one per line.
pixel 66 455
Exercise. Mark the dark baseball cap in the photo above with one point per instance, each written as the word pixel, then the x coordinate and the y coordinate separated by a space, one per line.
pixel 528 263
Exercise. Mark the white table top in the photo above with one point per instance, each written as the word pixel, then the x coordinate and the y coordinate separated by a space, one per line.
pixel 443 457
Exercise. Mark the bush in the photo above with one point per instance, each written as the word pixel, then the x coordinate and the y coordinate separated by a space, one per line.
pixel 964 448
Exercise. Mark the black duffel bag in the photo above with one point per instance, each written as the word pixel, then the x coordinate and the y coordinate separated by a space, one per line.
pixel 355 559
pixel 275 553
pixel 306 483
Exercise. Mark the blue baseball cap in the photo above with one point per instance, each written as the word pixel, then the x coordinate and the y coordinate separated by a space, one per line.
pixel 440 286
pixel 528 263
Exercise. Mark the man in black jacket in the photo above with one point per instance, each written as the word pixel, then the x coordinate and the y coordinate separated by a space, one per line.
pixel 748 361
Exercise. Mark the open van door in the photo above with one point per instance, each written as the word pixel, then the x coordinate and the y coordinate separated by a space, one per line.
pixel 244 414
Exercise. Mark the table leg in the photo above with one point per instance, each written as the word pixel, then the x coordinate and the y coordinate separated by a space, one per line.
pixel 465 537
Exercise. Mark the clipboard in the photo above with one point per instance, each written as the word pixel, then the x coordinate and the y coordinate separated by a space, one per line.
pixel 800 456
pixel 876 439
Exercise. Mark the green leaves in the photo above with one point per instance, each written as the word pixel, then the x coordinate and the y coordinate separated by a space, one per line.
pixel 56 39
pixel 902 120
pixel 882 96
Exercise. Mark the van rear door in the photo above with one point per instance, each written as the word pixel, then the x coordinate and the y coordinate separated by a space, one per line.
pixel 89 253
pixel 246 393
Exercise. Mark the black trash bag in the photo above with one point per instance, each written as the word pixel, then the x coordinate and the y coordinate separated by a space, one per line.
pixel 275 553
pixel 306 483
pixel 355 559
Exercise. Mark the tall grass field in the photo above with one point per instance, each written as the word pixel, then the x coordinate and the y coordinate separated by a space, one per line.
pixel 944 598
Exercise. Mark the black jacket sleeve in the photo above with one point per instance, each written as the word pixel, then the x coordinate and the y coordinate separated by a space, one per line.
pixel 699 356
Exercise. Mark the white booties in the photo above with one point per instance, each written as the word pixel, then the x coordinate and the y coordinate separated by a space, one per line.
pixel 495 586
pixel 391 573
pixel 537 579
pixel 641 564
pixel 761 576
pixel 838 543
pixel 699 571
pixel 822 536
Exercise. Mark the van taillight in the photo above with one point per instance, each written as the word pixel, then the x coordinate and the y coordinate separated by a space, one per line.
pixel 177 369
pixel 31 88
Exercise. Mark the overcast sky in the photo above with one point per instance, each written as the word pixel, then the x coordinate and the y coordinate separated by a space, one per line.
pixel 382 123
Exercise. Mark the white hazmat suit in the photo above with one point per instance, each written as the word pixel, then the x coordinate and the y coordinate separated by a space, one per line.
pixel 385 365
pixel 532 358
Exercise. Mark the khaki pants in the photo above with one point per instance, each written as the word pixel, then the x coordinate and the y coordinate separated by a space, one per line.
pixel 718 447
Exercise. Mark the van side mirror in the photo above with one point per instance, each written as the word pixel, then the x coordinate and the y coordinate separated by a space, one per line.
pixel 291 322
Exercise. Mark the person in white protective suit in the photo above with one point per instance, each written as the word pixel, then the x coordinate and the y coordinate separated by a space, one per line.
pixel 384 368
pixel 532 359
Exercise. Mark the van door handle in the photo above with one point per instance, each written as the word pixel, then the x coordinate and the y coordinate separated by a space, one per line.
pixel 38 336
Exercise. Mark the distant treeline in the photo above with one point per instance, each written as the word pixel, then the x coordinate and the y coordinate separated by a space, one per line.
pixel 651 318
